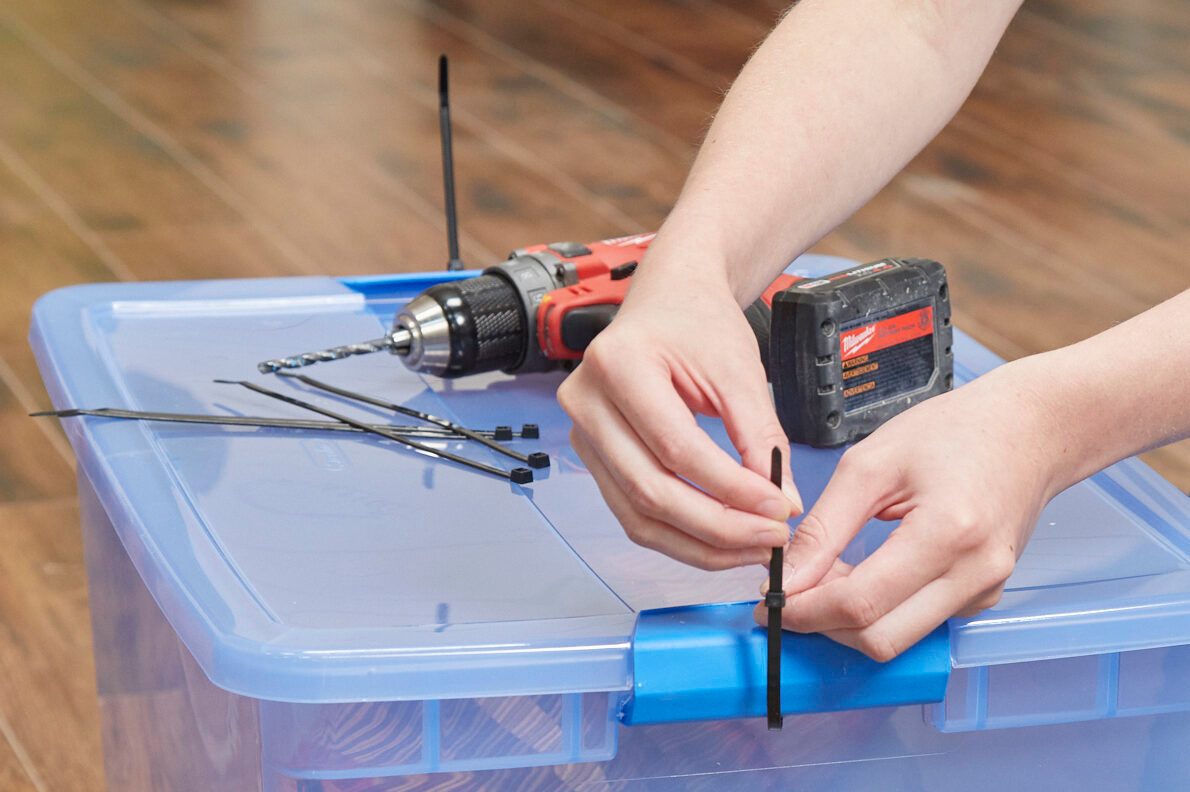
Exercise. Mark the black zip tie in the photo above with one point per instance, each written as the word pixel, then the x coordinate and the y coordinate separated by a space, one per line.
pixel 448 165
pixel 426 432
pixel 534 460
pixel 774 600
pixel 520 475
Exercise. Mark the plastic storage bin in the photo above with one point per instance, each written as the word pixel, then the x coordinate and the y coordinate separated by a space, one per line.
pixel 297 611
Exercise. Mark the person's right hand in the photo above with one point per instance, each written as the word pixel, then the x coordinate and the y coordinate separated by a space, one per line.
pixel 681 346
pixel 966 474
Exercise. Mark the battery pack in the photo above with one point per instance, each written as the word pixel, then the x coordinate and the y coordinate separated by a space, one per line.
pixel 850 350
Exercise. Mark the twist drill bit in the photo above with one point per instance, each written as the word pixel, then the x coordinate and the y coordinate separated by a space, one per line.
pixel 395 341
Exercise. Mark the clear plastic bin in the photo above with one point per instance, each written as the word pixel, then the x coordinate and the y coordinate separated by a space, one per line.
pixel 286 611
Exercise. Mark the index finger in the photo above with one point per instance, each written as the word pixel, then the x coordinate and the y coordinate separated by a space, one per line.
pixel 855 493
pixel 902 566
pixel 653 408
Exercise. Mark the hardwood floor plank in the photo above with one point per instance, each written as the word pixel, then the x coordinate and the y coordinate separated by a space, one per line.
pixel 14 766
pixel 397 131
pixel 709 46
pixel 149 135
pixel 762 12
pixel 1172 462
pixel 115 179
pixel 25 191
pixel 33 218
pixel 604 151
pixel 21 375
pixel 47 678
pixel 224 201
pixel 619 74
pixel 32 465
pixel 1156 35
pixel 1082 118
pixel 386 106
pixel 44 246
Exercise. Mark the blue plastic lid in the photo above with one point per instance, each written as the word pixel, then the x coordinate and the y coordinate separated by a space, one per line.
pixel 310 567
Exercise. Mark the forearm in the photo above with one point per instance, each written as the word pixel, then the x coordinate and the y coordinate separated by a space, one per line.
pixel 837 100
pixel 1116 394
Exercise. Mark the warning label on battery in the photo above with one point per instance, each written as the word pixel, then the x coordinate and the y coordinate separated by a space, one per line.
pixel 886 356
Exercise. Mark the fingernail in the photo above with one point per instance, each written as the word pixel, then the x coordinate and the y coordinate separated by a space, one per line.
pixel 794 496
pixel 764 587
pixel 776 509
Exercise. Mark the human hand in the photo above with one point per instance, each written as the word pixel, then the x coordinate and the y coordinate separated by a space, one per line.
pixel 967 474
pixel 680 346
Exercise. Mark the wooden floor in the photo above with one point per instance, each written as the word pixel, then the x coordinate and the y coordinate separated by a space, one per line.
pixel 154 139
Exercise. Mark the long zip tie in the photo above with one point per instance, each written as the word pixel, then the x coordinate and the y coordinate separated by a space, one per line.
pixel 519 475
pixel 774 600
pixel 250 421
pixel 537 459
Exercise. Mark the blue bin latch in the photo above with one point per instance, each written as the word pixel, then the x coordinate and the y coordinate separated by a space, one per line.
pixel 708 662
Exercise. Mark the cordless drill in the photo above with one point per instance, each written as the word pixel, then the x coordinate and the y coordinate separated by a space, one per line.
pixel 844 352
pixel 539 309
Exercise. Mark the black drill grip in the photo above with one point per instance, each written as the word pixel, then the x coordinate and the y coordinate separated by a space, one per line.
pixel 582 324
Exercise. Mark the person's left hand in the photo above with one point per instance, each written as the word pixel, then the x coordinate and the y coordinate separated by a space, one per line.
pixel 967 474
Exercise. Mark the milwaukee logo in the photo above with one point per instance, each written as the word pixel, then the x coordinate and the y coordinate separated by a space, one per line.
pixel 857 341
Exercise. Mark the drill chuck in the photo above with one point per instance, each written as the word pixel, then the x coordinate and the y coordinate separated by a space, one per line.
pixel 485 323
pixel 463 327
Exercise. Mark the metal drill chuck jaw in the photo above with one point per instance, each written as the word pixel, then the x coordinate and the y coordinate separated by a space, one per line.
pixel 421 335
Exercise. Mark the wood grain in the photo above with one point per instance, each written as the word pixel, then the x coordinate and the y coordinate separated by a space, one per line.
pixel 14 775
pixel 31 468
pixel 158 139
pixel 47 680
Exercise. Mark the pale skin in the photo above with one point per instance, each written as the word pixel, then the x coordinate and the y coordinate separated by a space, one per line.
pixel 815 124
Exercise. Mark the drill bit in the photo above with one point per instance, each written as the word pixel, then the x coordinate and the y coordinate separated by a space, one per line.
pixel 520 475
pixel 534 460
pixel 396 341
pixel 248 421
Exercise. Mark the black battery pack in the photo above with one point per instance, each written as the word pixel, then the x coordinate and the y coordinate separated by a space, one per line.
pixel 850 350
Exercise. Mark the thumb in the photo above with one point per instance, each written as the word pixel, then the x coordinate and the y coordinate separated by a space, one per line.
pixel 852 496
pixel 751 422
